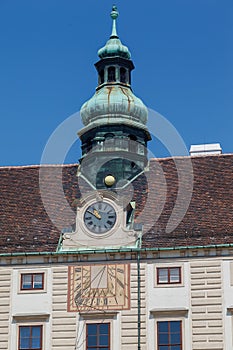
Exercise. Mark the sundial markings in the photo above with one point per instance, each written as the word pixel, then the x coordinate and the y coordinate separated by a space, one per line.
pixel 120 270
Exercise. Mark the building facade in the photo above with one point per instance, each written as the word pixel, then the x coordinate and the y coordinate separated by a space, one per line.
pixel 106 254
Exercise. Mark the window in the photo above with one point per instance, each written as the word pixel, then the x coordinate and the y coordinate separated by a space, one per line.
pixel 169 335
pixel 123 75
pixel 88 145
pixel 168 275
pixel 30 337
pixel 101 77
pixel 132 143
pixel 98 336
pixel 32 281
pixel 111 74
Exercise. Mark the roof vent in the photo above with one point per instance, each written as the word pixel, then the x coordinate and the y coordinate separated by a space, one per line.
pixel 205 150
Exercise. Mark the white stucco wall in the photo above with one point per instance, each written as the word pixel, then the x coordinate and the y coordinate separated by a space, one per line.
pixel 24 303
pixel 170 298
pixel 227 278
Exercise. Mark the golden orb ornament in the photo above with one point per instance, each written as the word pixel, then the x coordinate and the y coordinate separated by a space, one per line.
pixel 109 180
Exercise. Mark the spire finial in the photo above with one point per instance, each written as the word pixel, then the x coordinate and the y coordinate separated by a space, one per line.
pixel 114 15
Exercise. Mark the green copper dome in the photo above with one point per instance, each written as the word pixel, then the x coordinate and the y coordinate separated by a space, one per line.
pixel 114 103
pixel 114 135
pixel 114 47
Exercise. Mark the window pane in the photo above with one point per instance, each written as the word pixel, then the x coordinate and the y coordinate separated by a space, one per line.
pixel 163 275
pixel 24 335
pixel 103 340
pixel 104 328
pixel 163 326
pixel 91 329
pixel 26 281
pixel 176 347
pixel 174 275
pixel 24 344
pixel 92 340
pixel 24 331
pixel 38 281
pixel 163 339
pixel 36 343
pixel 36 337
pixel 175 326
pixel 175 338
pixel 36 331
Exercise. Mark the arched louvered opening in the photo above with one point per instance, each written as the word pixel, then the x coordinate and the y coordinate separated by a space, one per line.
pixel 109 141
pixel 111 74
pixel 88 144
pixel 132 143
pixel 101 77
pixel 123 75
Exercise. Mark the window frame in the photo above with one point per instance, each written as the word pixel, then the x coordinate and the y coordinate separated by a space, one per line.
pixel 99 347
pixel 31 326
pixel 169 282
pixel 32 274
pixel 160 346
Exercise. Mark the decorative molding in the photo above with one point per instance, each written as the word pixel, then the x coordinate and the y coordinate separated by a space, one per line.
pixel 31 317
pixel 117 237
pixel 98 315
pixel 169 312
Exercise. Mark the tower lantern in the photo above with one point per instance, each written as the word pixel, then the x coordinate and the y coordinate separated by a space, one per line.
pixel 114 137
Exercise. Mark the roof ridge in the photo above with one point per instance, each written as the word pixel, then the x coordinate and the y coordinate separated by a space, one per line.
pixel 36 166
pixel 192 157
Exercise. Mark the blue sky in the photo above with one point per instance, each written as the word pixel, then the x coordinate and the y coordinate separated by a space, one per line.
pixel 182 51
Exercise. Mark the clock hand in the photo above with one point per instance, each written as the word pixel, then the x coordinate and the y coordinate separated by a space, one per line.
pixel 94 213
pixel 97 214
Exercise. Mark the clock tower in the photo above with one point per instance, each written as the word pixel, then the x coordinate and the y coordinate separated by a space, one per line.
pixel 114 152
pixel 114 138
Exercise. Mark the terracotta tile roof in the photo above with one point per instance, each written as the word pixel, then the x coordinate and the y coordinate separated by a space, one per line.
pixel 209 218
pixel 25 225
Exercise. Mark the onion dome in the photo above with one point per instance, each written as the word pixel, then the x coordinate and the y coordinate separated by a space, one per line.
pixel 114 46
pixel 113 105
pixel 114 101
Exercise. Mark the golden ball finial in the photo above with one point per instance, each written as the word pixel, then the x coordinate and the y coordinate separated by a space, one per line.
pixel 109 180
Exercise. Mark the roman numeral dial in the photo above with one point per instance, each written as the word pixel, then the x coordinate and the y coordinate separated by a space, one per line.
pixel 100 217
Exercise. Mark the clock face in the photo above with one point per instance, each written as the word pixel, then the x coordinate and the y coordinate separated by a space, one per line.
pixel 99 287
pixel 100 217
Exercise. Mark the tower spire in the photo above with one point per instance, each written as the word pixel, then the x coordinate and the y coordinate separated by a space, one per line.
pixel 114 137
pixel 114 47
pixel 114 15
